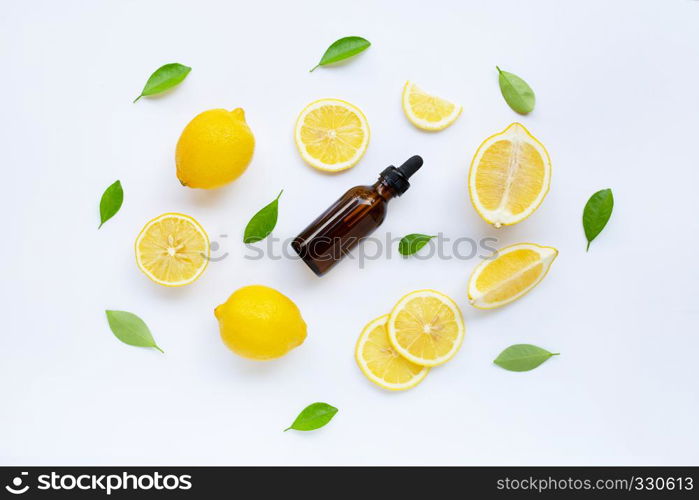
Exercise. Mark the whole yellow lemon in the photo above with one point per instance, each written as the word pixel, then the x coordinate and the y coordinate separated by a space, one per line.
pixel 258 322
pixel 214 149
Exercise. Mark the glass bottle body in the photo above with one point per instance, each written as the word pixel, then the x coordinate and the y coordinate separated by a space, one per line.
pixel 338 230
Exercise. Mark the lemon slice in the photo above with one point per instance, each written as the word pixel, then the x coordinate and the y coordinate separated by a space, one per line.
pixel 516 270
pixel 381 363
pixel 426 327
pixel 331 135
pixel 172 249
pixel 509 177
pixel 426 111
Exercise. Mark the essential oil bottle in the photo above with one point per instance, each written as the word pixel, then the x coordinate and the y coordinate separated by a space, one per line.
pixel 353 217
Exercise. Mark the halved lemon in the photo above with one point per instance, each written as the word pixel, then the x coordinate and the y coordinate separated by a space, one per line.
pixel 426 327
pixel 509 177
pixel 380 361
pixel 516 270
pixel 331 135
pixel 426 111
pixel 172 249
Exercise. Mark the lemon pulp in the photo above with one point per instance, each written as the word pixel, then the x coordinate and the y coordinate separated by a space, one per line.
pixel 516 270
pixel 172 249
pixel 427 111
pixel 426 327
pixel 509 177
pixel 381 362
pixel 331 134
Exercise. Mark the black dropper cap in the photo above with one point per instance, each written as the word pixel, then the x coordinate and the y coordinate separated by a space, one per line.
pixel 397 178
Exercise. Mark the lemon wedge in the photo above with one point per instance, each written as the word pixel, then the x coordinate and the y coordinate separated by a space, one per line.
pixel 509 177
pixel 426 327
pixel 426 111
pixel 380 361
pixel 172 249
pixel 516 270
pixel 331 135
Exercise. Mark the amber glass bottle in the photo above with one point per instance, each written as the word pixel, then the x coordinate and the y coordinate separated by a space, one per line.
pixel 353 217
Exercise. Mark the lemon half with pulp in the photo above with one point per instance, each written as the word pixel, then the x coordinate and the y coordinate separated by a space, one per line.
pixel 172 249
pixel 509 177
pixel 427 111
pixel 426 327
pixel 381 362
pixel 331 135
pixel 515 271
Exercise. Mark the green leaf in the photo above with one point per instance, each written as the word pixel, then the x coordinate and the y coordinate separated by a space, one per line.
pixel 164 78
pixel 130 329
pixel 596 214
pixel 412 243
pixel 522 357
pixel 262 222
pixel 342 49
pixel 517 93
pixel 111 201
pixel 313 417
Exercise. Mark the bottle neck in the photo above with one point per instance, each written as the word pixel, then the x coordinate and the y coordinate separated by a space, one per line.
pixel 384 190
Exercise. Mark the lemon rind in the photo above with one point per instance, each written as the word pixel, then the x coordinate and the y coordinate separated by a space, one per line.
pixel 390 327
pixel 199 228
pixel 314 162
pixel 491 216
pixel 424 124
pixel 548 255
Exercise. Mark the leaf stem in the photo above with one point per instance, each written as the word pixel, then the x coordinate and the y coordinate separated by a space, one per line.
pixel 158 348
pixel 287 429
pixel 311 71
pixel 498 68
pixel 279 195
pixel 587 249
pixel 137 98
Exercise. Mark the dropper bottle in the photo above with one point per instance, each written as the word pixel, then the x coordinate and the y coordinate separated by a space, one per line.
pixel 352 218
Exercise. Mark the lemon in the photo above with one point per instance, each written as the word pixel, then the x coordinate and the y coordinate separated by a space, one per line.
pixel 380 361
pixel 331 135
pixel 214 149
pixel 509 177
pixel 426 111
pixel 516 270
pixel 426 327
pixel 172 249
pixel 258 322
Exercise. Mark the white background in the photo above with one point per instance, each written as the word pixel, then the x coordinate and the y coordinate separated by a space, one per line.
pixel 617 106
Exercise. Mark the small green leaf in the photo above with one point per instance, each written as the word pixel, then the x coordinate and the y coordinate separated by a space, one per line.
pixel 412 243
pixel 164 78
pixel 263 222
pixel 517 93
pixel 522 357
pixel 342 49
pixel 130 329
pixel 596 214
pixel 111 201
pixel 313 417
